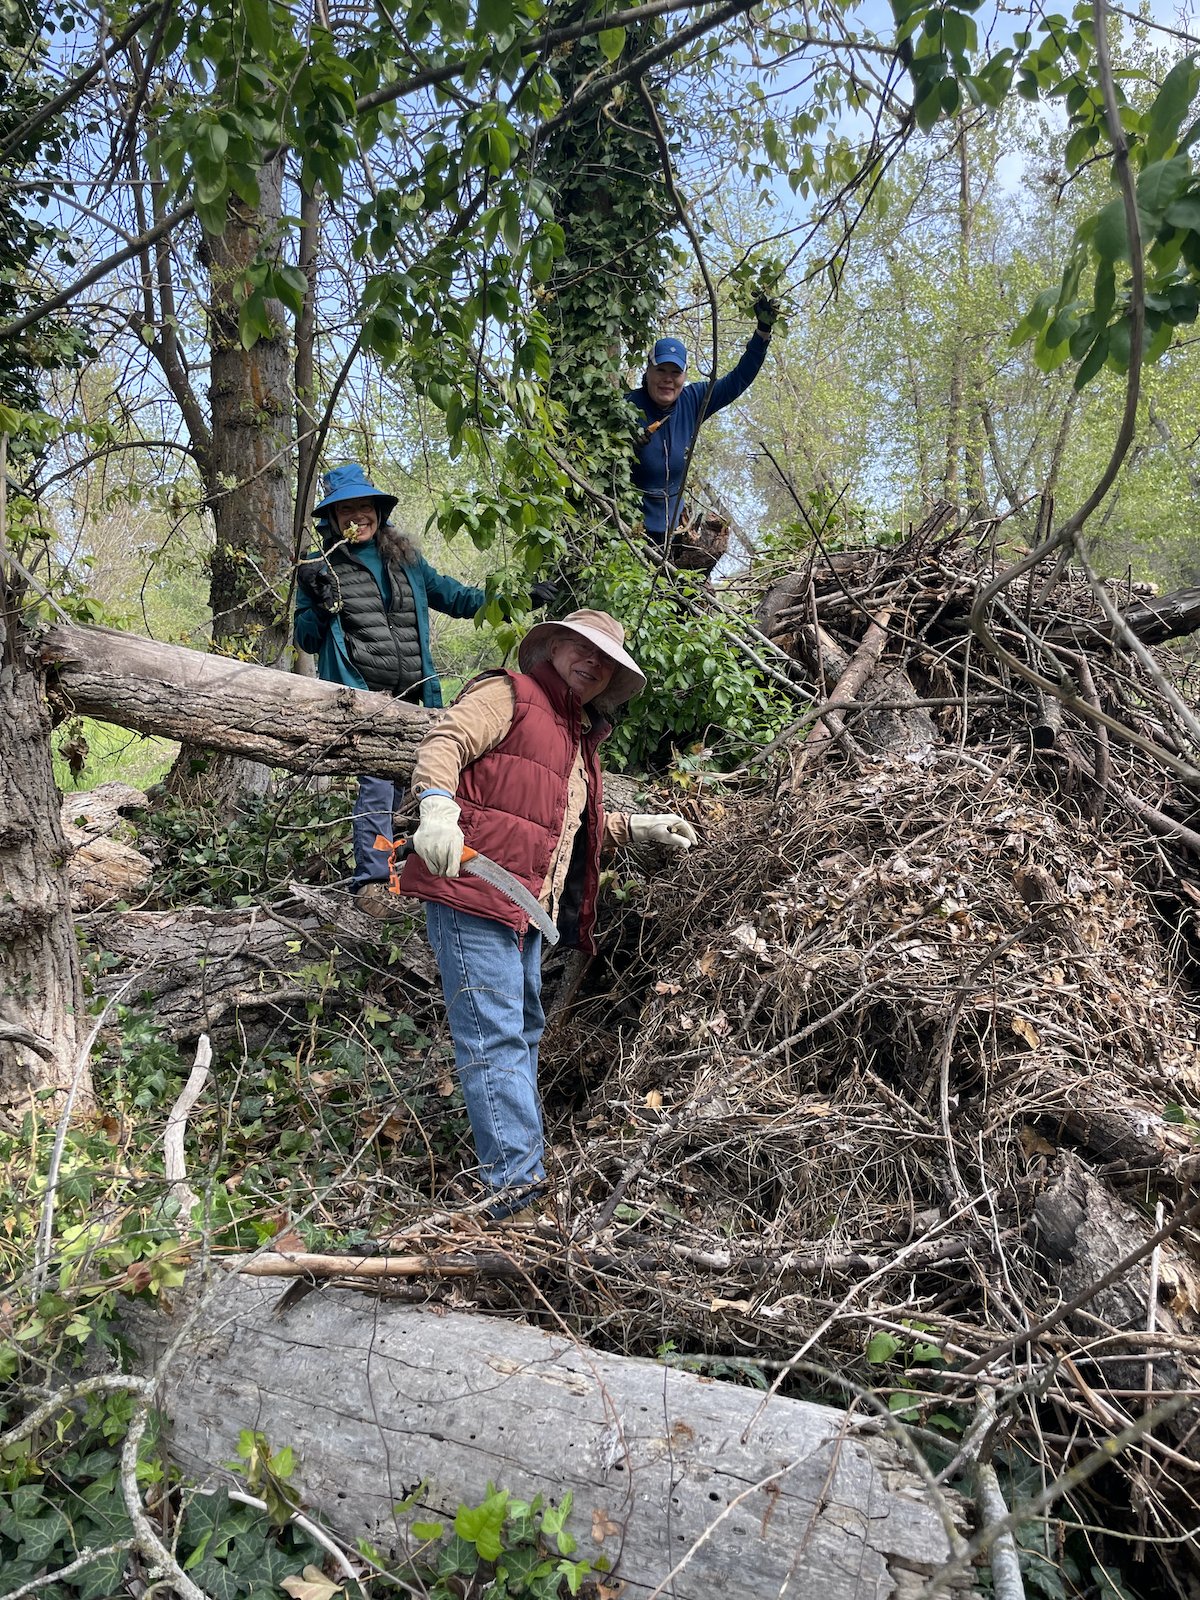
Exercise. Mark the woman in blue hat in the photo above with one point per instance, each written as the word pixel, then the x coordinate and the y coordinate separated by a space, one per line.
pixel 362 608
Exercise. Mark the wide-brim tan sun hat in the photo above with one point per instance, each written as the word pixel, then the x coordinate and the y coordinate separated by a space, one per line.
pixel 600 630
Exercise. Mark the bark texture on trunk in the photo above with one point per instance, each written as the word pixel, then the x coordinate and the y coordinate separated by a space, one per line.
pixel 41 994
pixel 248 475
pixel 231 706
pixel 745 1496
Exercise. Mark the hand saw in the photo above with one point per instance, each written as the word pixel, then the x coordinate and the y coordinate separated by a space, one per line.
pixel 480 867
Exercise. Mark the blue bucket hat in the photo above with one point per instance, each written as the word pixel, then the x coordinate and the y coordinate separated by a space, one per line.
pixel 350 482
pixel 669 352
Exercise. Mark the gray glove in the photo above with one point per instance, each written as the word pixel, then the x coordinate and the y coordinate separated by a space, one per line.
pixel 439 839
pixel 666 830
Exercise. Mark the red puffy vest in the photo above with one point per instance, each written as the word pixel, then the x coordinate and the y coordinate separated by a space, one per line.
pixel 513 800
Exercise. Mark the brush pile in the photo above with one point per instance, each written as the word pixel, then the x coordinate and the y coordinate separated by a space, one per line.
pixel 906 1060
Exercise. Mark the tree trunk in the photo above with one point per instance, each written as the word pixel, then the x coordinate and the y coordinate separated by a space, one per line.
pixel 745 1496
pixel 248 476
pixel 246 711
pixel 41 993
pixel 958 362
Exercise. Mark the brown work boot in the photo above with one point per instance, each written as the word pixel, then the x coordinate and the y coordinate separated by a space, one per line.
pixel 538 1215
pixel 377 900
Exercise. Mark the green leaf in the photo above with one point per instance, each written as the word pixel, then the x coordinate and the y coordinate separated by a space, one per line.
pixel 881 1347
pixel 928 108
pixel 428 1531
pixel 1080 144
pixel 1110 235
pixel 1118 345
pixel 611 42
pixel 258 25
pixel 1159 184
pixel 40 1539
pixel 928 1355
pixel 1185 212
pixel 904 1406
pixel 940 1419
pixel 1165 117
pixel 482 1525
pixel 1106 293
pixel 254 320
pixel 499 156
pixel 101 1578
pixel 290 285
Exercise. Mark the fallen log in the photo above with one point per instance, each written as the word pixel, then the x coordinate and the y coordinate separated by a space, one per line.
pixel 105 867
pixel 209 971
pixel 235 707
pixel 685 1485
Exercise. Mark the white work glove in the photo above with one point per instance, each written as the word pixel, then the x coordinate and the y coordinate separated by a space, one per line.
pixel 668 831
pixel 439 839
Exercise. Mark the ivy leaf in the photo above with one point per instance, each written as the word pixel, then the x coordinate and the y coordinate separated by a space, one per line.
pixel 311 1585
pixel 881 1347
pixel 482 1525
pixel 40 1539
pixel 904 1406
pixel 102 1577
pixel 219 1581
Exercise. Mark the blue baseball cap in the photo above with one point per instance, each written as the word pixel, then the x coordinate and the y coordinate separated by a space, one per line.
pixel 350 482
pixel 669 352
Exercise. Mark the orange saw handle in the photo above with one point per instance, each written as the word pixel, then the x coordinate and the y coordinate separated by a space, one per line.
pixel 398 852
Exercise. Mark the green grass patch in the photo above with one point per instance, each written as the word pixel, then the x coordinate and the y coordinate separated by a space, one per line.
pixel 87 753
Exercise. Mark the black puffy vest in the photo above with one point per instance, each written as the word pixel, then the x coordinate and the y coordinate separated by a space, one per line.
pixel 383 644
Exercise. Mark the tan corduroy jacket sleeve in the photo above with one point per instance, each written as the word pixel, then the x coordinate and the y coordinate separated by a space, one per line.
pixel 476 723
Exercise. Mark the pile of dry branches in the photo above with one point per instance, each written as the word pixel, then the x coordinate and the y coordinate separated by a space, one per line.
pixel 910 1048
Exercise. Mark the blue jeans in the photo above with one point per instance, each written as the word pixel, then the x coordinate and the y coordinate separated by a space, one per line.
pixel 493 991
pixel 373 807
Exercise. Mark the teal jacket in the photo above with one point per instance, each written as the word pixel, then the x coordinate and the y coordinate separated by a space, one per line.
pixel 323 636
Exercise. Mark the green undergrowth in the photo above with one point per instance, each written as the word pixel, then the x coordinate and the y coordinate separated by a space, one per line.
pixel 298 831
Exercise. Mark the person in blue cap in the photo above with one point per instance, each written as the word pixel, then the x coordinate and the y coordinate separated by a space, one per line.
pixel 674 411
pixel 362 608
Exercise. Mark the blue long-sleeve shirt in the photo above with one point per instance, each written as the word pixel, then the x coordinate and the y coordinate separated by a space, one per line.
pixel 658 470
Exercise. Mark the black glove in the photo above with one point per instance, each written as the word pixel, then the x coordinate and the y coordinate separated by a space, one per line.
pixel 543 593
pixel 766 311
pixel 319 583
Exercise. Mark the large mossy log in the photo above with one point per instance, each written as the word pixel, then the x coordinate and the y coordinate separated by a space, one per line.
pixel 231 706
pixel 742 1495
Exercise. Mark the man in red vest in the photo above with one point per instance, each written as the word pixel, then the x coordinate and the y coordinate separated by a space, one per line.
pixel 513 771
